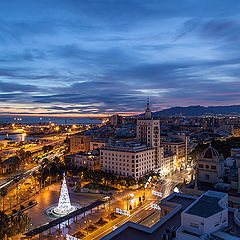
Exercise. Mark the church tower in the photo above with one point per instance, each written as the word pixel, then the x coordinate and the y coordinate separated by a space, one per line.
pixel 148 133
pixel 148 113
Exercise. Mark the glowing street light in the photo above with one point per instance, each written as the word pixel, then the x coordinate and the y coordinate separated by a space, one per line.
pixel 176 190
pixel 23 136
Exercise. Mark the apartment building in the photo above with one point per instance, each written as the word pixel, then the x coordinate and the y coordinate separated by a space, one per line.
pixel 169 163
pixel 115 120
pixel 89 160
pixel 176 147
pixel 97 143
pixel 127 159
pixel 80 142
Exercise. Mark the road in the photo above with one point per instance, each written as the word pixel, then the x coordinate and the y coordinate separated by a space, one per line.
pixel 51 140
pixel 143 214
pixel 8 181
pixel 170 182
pixel 23 177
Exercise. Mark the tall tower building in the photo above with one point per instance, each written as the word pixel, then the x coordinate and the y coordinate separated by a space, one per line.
pixel 148 132
pixel 148 113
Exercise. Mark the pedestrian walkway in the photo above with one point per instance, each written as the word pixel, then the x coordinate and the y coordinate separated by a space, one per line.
pixel 74 215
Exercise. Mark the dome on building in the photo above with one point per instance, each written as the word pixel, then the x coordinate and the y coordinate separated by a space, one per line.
pixel 210 153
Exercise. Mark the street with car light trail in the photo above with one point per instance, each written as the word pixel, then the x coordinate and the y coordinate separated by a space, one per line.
pixel 142 214
pixel 7 181
pixel 23 177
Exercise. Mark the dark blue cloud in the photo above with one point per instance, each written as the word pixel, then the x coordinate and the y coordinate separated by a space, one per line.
pixel 93 57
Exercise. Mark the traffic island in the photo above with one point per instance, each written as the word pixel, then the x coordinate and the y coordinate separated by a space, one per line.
pixel 90 228
pixel 101 222
pixel 79 235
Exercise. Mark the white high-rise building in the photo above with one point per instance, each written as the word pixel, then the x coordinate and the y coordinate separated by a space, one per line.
pixel 127 159
pixel 148 132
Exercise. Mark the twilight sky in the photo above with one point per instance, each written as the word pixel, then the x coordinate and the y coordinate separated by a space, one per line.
pixel 106 56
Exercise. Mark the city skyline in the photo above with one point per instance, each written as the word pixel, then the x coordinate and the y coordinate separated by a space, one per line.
pixel 96 58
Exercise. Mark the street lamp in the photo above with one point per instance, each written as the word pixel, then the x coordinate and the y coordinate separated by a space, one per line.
pixel 176 190
pixel 57 129
pixel 86 221
pixel 108 210
pixel 9 198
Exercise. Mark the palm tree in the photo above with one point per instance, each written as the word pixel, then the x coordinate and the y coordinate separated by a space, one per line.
pixel 3 193
pixel 4 225
pixel 34 174
pixel 16 180
pixel 45 162
pixel 49 172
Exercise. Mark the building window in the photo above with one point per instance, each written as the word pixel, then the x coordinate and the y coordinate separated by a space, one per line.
pixel 206 176
pixel 207 166
pixel 213 167
pixel 200 165
pixel 195 225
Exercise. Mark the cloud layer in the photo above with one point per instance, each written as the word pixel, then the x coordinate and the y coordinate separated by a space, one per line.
pixel 103 57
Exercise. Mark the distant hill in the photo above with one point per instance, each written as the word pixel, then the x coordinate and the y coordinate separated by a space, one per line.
pixel 199 111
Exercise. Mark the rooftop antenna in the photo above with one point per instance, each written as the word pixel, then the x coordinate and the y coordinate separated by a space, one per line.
pixel 148 111
pixel 148 103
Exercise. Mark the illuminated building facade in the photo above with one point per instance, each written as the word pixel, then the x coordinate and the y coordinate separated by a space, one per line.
pixel 148 132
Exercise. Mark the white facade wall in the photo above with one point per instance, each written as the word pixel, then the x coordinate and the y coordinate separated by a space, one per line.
pixel 89 161
pixel 96 145
pixel 127 163
pixel 148 132
pixel 179 149
pixel 192 223
pixel 216 222
pixel 201 226
pixel 169 164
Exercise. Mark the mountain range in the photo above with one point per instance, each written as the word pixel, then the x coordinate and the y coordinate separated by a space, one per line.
pixel 198 111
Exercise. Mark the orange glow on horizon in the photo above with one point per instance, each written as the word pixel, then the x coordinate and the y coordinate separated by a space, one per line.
pixel 72 115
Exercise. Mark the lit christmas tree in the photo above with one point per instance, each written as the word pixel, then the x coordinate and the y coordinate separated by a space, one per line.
pixel 64 205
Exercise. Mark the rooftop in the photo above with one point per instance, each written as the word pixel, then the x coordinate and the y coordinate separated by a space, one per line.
pixel 172 140
pixel 205 206
pixel 127 147
pixel 210 153
pixel 135 231
pixel 89 153
pixel 12 160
